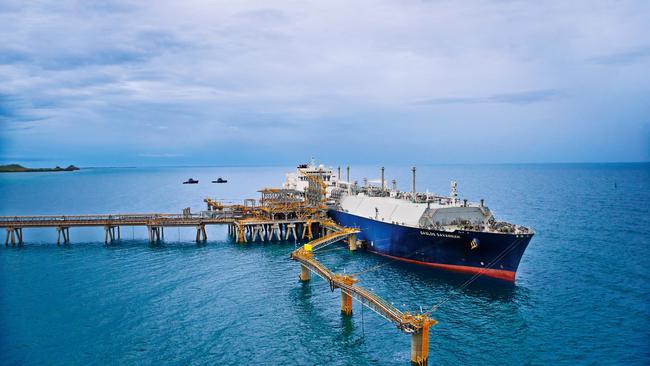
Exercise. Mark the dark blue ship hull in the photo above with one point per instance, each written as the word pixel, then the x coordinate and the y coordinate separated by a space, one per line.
pixel 494 255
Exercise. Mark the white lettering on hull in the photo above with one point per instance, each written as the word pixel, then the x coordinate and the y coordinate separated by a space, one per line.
pixel 443 235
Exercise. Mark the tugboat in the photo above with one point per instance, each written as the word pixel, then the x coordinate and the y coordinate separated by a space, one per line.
pixel 220 180
pixel 191 181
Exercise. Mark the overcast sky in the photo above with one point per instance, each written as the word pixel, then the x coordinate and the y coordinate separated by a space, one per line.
pixel 207 82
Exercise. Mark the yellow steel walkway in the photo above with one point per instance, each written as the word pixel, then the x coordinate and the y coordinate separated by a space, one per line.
pixel 415 324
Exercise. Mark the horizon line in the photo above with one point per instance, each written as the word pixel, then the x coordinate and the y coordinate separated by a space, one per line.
pixel 350 164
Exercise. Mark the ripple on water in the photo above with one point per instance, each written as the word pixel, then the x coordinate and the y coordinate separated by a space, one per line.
pixel 581 293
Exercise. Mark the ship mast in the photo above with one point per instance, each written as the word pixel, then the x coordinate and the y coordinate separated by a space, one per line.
pixel 454 192
pixel 413 170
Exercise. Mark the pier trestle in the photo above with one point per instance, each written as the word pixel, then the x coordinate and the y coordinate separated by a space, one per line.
pixel 14 233
pixel 63 231
pixel 200 233
pixel 154 222
pixel 110 235
pixel 261 230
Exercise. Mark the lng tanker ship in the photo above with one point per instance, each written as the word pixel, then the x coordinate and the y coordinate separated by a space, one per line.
pixel 421 228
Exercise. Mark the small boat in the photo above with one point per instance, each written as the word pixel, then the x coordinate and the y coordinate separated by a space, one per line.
pixel 191 181
pixel 220 180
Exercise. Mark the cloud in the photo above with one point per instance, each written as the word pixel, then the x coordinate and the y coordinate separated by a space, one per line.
pixel 336 74
pixel 526 97
pixel 14 110
pixel 623 57
pixel 10 56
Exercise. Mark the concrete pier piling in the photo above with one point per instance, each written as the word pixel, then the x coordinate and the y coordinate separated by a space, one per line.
pixel 305 274
pixel 63 231
pixel 155 233
pixel 346 303
pixel 352 242
pixel 14 234
pixel 306 230
pixel 275 231
pixel 420 346
pixel 262 230
pixel 201 235
pixel 240 233
pixel 290 231
pixel 109 233
pixel 256 231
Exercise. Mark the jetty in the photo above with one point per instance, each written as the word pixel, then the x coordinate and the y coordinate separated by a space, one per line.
pixel 155 223
pixel 280 214
pixel 241 227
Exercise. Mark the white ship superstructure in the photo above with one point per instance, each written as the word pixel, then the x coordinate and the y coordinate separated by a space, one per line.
pixel 300 179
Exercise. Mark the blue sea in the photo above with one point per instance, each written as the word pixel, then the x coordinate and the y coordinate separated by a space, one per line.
pixel 582 294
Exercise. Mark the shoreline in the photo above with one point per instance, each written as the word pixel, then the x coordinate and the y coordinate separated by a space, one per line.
pixel 16 168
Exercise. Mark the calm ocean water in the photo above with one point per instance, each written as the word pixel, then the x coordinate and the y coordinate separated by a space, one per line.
pixel 582 293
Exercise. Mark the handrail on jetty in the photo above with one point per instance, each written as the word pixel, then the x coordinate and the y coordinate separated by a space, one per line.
pixel 129 219
pixel 155 223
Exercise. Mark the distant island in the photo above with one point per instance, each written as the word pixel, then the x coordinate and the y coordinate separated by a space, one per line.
pixel 17 168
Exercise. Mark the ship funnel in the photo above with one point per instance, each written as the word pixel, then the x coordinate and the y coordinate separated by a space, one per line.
pixel 383 186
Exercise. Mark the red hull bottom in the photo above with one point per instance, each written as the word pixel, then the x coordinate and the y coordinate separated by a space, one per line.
pixel 500 274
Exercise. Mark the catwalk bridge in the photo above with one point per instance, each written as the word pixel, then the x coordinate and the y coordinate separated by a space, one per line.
pixel 155 222
pixel 417 325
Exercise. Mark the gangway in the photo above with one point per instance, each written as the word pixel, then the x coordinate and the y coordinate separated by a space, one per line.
pixel 332 238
